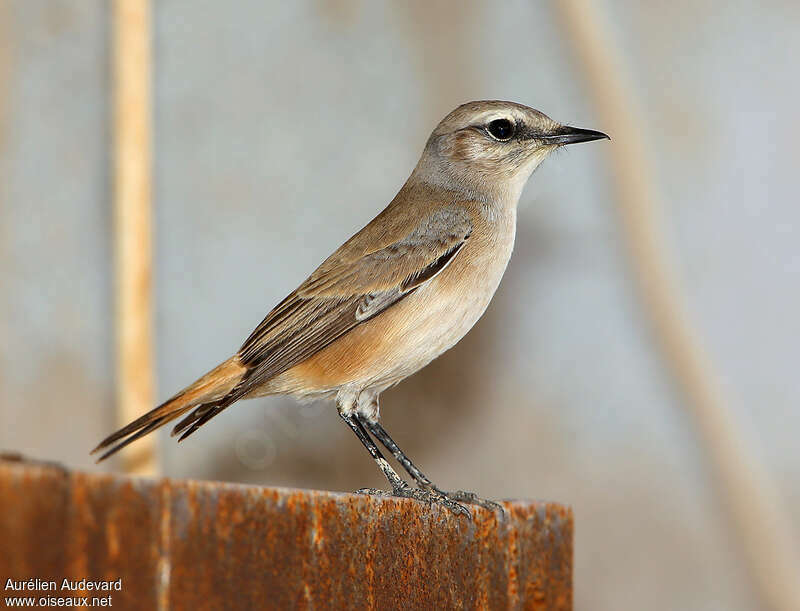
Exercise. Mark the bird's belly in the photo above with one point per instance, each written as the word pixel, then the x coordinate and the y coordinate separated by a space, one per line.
pixel 404 338
pixel 440 319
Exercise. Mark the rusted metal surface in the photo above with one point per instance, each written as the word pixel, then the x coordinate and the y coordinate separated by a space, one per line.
pixel 198 545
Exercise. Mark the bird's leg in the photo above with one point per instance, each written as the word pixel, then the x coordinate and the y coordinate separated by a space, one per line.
pixel 381 435
pixel 394 479
pixel 422 480
pixel 399 487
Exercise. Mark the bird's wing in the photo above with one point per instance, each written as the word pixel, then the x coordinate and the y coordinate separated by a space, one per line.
pixel 352 286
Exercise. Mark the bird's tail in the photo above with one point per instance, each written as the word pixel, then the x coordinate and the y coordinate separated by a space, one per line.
pixel 206 395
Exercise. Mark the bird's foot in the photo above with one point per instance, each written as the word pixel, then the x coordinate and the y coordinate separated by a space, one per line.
pixel 430 496
pixel 470 498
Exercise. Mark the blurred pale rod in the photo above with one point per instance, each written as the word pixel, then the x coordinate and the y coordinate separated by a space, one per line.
pixel 757 514
pixel 4 80
pixel 133 222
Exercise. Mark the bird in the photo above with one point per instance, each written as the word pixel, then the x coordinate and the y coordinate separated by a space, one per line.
pixel 396 295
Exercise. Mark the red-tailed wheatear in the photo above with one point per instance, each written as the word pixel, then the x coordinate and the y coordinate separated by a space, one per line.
pixel 395 296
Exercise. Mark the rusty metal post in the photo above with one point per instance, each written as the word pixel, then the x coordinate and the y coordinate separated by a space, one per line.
pixel 198 545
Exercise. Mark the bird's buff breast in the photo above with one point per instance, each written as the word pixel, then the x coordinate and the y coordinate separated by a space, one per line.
pixel 409 335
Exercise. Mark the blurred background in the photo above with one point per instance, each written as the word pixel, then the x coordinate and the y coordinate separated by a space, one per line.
pixel 280 128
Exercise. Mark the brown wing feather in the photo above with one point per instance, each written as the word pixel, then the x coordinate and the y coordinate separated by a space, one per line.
pixel 343 293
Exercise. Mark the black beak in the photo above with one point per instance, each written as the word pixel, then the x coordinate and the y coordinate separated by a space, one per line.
pixel 572 135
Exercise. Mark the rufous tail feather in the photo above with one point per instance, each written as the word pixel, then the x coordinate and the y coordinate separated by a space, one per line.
pixel 206 395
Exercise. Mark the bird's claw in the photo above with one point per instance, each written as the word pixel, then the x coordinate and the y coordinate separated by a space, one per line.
pixel 429 496
pixel 470 498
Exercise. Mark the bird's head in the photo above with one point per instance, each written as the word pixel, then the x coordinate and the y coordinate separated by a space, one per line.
pixel 495 145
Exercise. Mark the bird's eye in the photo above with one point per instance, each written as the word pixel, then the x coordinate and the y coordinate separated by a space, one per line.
pixel 501 129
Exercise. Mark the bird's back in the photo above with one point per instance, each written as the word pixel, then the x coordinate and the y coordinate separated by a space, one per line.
pixel 404 338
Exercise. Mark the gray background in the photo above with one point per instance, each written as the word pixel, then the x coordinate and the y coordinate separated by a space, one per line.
pixel 282 127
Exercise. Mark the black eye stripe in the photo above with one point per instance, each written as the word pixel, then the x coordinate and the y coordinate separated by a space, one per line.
pixel 501 129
